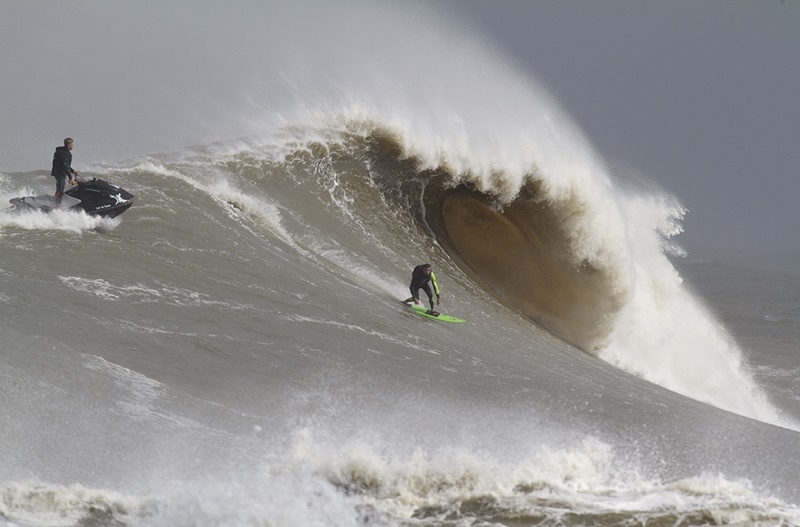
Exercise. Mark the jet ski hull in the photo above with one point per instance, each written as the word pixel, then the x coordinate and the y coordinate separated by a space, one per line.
pixel 95 197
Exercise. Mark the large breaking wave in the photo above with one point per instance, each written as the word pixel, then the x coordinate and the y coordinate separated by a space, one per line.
pixel 538 224
pixel 481 156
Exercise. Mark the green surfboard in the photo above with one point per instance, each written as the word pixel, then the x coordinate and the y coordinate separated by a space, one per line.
pixel 441 318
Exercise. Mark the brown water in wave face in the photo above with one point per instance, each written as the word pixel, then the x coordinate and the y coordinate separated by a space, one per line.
pixel 523 253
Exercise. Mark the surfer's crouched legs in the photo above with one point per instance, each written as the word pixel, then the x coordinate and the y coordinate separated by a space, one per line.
pixel 427 289
pixel 415 293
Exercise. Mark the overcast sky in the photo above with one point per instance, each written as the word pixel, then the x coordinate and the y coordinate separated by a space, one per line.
pixel 700 97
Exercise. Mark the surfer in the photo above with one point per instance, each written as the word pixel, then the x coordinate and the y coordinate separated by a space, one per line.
pixel 421 278
pixel 62 168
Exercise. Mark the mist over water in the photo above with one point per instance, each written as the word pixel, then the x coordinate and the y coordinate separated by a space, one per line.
pixel 244 318
pixel 146 77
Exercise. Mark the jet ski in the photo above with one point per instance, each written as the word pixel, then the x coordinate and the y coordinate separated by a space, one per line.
pixel 95 197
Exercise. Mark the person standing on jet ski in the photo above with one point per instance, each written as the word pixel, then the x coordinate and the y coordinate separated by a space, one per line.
pixel 422 278
pixel 62 168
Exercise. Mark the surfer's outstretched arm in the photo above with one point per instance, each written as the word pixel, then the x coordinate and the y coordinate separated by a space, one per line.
pixel 435 290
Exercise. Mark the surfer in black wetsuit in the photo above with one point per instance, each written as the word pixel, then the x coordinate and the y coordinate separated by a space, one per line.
pixel 62 168
pixel 422 278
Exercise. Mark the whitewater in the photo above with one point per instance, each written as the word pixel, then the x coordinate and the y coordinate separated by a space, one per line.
pixel 232 349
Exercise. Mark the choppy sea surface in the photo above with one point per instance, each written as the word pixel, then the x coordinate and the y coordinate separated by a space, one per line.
pixel 232 349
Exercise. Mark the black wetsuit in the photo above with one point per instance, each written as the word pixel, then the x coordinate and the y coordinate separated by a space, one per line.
pixel 419 280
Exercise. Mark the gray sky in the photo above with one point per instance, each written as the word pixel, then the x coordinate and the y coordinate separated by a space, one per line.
pixel 700 97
